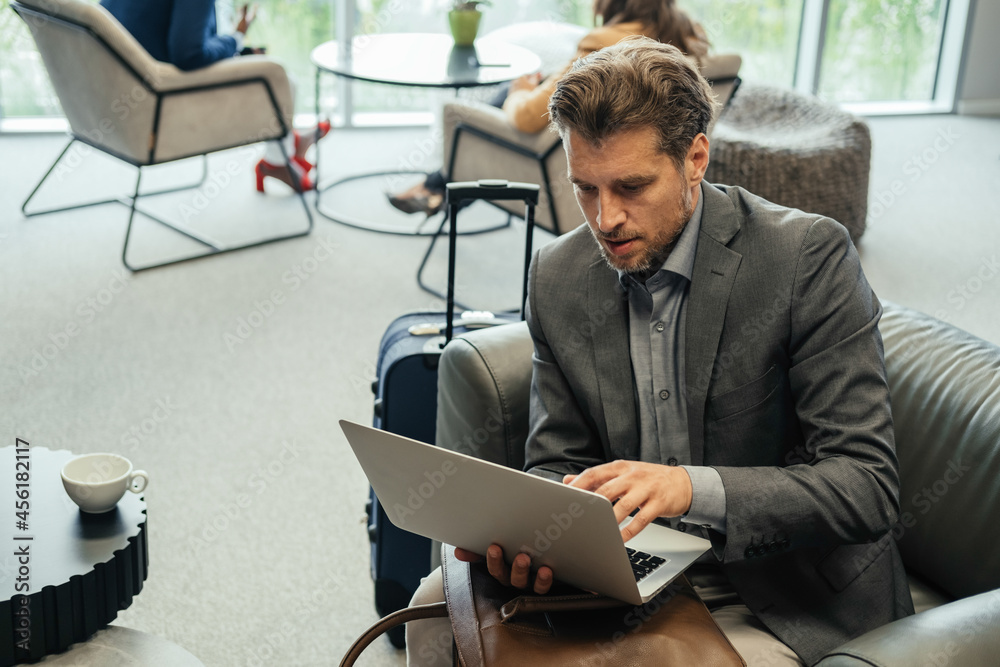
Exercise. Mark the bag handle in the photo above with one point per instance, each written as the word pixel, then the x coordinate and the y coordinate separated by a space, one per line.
pixel 462 604
pixel 404 615
pixel 540 604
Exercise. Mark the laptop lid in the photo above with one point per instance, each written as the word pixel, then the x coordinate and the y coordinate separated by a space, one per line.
pixel 470 503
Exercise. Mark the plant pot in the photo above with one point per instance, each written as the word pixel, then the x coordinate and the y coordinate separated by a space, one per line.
pixel 464 25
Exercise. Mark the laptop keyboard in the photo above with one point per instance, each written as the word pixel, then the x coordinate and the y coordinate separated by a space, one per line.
pixel 643 563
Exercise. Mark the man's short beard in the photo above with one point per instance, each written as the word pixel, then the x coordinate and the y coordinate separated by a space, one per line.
pixel 660 246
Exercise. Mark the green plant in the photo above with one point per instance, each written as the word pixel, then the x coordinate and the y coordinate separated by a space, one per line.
pixel 469 5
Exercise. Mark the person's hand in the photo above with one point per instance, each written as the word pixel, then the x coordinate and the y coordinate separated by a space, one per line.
pixel 655 490
pixel 525 82
pixel 247 15
pixel 518 575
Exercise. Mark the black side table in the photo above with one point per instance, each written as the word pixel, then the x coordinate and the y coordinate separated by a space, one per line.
pixel 64 574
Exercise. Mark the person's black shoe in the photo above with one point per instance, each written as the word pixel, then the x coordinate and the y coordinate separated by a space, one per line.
pixel 428 204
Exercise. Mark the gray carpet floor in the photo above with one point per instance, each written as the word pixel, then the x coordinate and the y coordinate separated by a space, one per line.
pixel 224 378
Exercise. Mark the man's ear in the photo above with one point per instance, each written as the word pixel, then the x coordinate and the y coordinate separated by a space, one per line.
pixel 696 161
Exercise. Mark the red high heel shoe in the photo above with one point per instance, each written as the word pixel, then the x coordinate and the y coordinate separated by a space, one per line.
pixel 305 140
pixel 282 172
pixel 306 165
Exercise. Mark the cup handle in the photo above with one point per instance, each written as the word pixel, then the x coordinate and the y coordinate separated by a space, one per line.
pixel 138 481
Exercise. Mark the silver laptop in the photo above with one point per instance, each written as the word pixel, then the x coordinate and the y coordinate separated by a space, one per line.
pixel 470 503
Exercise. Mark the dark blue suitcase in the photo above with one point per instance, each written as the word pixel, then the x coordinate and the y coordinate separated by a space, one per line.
pixel 406 399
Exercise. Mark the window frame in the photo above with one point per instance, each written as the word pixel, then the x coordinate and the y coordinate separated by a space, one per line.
pixel 947 72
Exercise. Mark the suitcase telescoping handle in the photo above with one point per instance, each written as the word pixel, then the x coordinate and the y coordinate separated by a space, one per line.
pixel 489 190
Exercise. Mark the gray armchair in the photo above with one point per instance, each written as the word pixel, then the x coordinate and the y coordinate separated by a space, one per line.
pixel 945 387
pixel 121 101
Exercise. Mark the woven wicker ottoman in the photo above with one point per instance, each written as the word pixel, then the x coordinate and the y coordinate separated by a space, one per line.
pixel 795 151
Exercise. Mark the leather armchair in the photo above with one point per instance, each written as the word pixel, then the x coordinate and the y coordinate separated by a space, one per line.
pixel 945 386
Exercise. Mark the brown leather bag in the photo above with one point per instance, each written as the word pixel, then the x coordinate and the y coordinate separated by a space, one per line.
pixel 496 626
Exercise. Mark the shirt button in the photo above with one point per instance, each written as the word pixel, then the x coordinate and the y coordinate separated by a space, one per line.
pixel 664 394
pixel 672 461
pixel 660 327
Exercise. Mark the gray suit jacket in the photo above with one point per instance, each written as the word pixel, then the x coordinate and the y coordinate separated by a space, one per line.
pixel 786 398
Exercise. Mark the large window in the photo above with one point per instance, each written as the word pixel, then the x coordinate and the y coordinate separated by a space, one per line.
pixel 288 29
pixel 24 85
pixel 764 32
pixel 891 53
pixel 881 50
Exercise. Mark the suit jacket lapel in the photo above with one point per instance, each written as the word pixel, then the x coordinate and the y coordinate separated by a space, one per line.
pixel 608 310
pixel 715 268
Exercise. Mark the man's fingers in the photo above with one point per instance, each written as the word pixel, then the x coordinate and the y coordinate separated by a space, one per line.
pixel 635 526
pixel 543 580
pixel 624 507
pixel 520 571
pixel 518 575
pixel 496 565
pixel 467 556
pixel 592 478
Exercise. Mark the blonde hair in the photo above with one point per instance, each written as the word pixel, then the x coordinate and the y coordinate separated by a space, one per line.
pixel 638 82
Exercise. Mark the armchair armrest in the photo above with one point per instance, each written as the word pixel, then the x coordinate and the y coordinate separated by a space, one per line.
pixel 484 386
pixel 492 121
pixel 722 66
pixel 964 633
pixel 488 146
pixel 234 102
pixel 231 71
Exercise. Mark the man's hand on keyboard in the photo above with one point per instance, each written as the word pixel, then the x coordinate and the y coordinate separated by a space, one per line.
pixel 518 575
pixel 655 490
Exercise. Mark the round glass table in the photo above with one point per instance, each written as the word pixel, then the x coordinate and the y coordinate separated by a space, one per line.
pixel 409 59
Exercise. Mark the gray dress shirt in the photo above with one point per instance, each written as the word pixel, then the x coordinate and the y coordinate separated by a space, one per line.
pixel 657 310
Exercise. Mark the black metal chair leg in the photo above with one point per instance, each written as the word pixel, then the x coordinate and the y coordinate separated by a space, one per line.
pixel 214 248
pixel 133 209
pixel 427 255
pixel 24 206
pixel 110 200
pixel 131 218
pixel 295 179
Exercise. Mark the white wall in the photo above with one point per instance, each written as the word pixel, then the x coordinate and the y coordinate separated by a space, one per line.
pixel 979 92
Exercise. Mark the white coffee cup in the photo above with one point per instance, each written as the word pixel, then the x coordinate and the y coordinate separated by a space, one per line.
pixel 96 482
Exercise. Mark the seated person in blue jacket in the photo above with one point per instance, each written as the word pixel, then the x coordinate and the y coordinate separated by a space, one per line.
pixel 183 33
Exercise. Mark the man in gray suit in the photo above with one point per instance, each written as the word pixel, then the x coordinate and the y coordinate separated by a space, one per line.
pixel 706 356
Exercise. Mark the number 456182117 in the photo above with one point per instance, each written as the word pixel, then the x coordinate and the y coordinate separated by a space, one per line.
pixel 22 483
